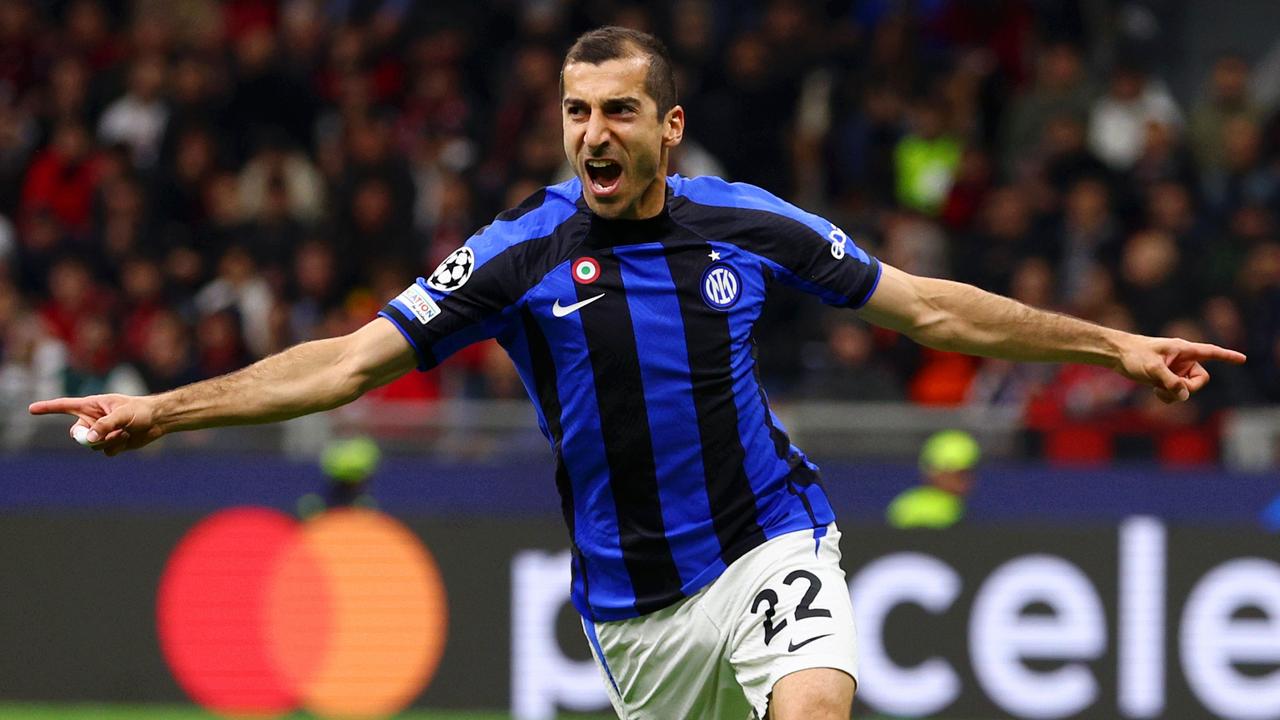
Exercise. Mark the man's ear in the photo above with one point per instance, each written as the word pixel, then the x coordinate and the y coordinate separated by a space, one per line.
pixel 673 127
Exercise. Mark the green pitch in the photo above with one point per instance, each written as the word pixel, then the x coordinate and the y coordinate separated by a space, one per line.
pixel 164 712
pixel 161 712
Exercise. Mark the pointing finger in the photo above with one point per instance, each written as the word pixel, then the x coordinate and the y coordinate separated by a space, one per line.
pixel 1205 351
pixel 70 406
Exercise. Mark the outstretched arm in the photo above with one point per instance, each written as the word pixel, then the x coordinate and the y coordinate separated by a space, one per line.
pixel 310 377
pixel 953 316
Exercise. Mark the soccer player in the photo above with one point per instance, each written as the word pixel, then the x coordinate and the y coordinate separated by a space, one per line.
pixel 705 557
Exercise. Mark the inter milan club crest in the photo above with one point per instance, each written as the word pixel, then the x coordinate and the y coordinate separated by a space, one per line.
pixel 454 271
pixel 721 286
pixel 586 270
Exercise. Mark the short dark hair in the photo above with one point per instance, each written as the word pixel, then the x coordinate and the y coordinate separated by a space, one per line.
pixel 612 43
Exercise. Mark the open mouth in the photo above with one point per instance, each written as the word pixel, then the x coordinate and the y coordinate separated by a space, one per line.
pixel 604 176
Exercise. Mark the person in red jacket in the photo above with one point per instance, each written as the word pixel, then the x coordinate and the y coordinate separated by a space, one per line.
pixel 63 177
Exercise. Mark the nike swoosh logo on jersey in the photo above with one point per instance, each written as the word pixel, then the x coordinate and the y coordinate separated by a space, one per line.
pixel 561 310
pixel 794 646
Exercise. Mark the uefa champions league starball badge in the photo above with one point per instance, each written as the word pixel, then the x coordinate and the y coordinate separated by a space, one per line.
pixel 454 271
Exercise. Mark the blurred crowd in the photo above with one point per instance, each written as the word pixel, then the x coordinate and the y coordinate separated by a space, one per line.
pixel 188 185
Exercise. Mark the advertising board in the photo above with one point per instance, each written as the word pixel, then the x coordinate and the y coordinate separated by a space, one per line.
pixel 1137 620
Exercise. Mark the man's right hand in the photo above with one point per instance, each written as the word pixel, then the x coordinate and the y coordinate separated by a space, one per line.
pixel 116 422
pixel 1171 366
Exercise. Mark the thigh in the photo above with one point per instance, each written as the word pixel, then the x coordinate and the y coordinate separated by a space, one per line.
pixel 797 617
pixel 669 664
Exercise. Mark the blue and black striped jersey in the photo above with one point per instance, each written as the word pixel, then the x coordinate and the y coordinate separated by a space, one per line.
pixel 634 341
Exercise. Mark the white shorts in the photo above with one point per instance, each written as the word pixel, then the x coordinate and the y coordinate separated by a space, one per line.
pixel 782 607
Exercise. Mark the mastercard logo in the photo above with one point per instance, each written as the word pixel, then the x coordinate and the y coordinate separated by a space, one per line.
pixel 343 615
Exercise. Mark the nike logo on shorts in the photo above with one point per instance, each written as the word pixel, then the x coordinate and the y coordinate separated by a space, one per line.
pixel 794 646
pixel 562 310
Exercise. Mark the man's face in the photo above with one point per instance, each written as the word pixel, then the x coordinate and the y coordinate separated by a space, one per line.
pixel 615 140
pixel 958 482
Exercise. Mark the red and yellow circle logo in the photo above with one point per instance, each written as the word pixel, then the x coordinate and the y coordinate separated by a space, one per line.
pixel 344 615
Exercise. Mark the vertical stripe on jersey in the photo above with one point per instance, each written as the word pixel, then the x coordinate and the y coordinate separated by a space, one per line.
pixel 664 363
pixel 628 443
pixel 706 334
pixel 548 397
pixel 582 452
pixel 770 464
pixel 542 364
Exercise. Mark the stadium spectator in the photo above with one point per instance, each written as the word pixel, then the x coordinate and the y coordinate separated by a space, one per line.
pixel 1060 91
pixel 22 45
pixel 240 287
pixel 264 97
pixel 72 295
pixel 1226 99
pixel 31 362
pixel 63 177
pixel 1086 236
pixel 374 197
pixel 989 256
pixel 395 130
pixel 864 139
pixel 750 141
pixel 93 364
pixel 1150 282
pixel 1063 158
pixel 303 33
pixel 1163 157
pixel 183 177
pixel 274 232
pixel 1118 119
pixel 847 365
pixel 452 220
pixel 166 360
pixel 195 103
pixel 138 117
pixel 276 161
pixel 926 159
pixel 947 461
pixel 18 137
pixel 88 34
pixel 141 301
pixel 1243 177
pixel 968 191
pixel 315 290
pixel 219 345
pixel 1170 208
pixel 123 225
pixel 67 97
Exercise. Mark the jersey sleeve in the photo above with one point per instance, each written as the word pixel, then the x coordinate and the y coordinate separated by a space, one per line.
pixel 803 250
pixel 462 302
pixel 475 292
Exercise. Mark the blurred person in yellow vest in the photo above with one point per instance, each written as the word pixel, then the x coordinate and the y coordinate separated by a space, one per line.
pixel 348 466
pixel 947 460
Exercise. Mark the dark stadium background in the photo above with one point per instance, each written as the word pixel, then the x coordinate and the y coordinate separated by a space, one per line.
pixel 189 185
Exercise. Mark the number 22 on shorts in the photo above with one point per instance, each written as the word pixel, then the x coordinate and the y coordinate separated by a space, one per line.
pixel 804 609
